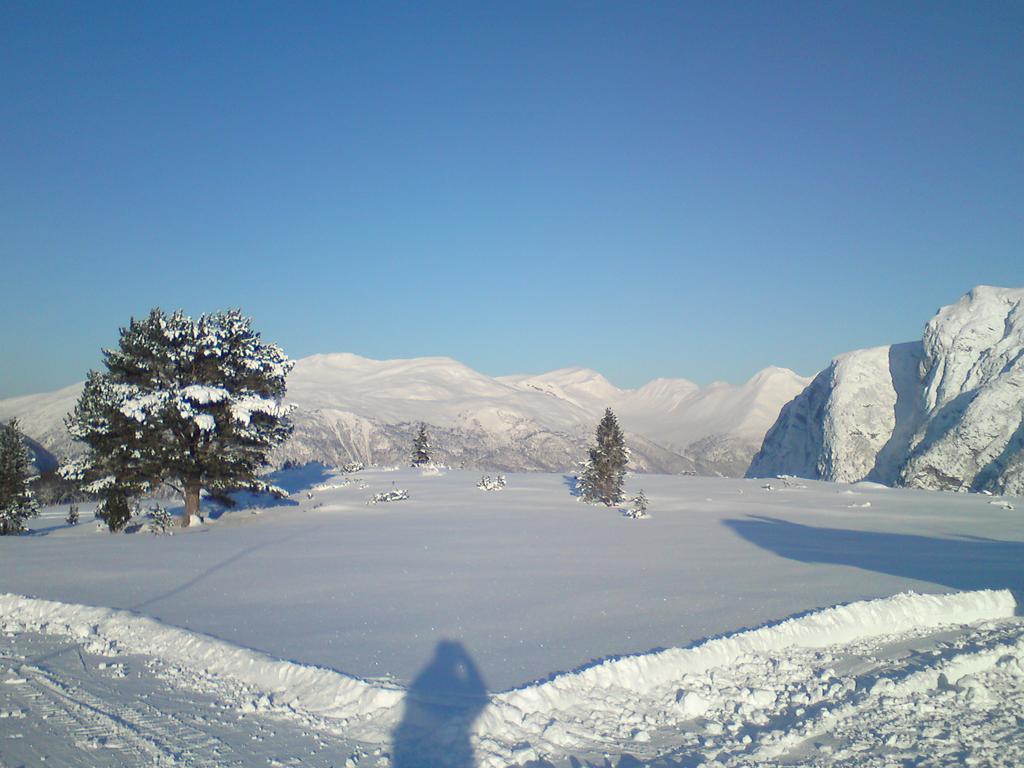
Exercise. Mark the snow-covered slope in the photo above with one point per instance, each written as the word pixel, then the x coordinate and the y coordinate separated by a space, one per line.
pixel 946 412
pixel 41 417
pixel 351 408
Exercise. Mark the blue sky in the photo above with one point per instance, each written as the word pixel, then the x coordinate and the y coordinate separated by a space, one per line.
pixel 648 189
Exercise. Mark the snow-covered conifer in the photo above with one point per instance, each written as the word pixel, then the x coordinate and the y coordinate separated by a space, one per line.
pixel 16 502
pixel 115 509
pixel 196 404
pixel 638 506
pixel 159 520
pixel 601 477
pixel 583 487
pixel 421 447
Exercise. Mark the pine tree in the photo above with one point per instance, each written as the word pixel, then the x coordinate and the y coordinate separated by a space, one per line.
pixel 195 404
pixel 421 447
pixel 602 475
pixel 16 502
pixel 585 489
pixel 115 509
pixel 638 508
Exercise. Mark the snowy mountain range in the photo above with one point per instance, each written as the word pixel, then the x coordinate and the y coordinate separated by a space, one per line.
pixel 946 412
pixel 350 408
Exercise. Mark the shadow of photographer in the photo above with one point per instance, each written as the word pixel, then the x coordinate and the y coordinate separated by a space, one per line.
pixel 441 706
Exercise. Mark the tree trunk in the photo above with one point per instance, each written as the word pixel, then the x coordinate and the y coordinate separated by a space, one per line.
pixel 191 503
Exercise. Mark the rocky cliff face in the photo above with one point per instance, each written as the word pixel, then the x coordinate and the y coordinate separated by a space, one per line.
pixel 946 412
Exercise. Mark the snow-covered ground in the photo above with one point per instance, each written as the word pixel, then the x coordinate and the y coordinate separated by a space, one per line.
pixel 424 622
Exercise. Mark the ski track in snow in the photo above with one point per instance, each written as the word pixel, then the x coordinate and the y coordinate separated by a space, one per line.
pixel 924 679
pixel 64 702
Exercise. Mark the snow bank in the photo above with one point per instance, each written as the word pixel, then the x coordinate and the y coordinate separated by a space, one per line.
pixel 309 689
pixel 516 715
pixel 832 626
pixel 540 714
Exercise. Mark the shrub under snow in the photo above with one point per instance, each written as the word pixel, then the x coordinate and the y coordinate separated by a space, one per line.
pixel 487 484
pixel 396 494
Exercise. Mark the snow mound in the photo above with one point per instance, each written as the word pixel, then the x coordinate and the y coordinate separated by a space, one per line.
pixel 514 713
pixel 549 718
pixel 311 689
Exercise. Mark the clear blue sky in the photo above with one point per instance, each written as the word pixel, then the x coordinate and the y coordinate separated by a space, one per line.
pixel 648 189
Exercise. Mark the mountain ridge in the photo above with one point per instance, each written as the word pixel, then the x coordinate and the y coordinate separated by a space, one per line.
pixel 353 408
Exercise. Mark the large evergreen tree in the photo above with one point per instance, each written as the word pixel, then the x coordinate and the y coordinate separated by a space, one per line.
pixel 603 474
pixel 195 404
pixel 421 447
pixel 16 502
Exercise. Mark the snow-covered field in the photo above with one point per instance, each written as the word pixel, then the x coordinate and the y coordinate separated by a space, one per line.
pixel 326 630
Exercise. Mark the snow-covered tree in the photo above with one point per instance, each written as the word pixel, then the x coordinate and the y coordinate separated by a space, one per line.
pixel 638 506
pixel 115 509
pixel 159 520
pixel 16 502
pixel 584 488
pixel 195 404
pixel 421 447
pixel 601 476
pixel 488 484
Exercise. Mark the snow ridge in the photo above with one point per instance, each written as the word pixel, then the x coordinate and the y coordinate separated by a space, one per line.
pixel 312 689
pixel 549 718
pixel 517 713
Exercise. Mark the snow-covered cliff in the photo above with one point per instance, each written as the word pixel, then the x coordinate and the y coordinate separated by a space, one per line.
pixel 946 412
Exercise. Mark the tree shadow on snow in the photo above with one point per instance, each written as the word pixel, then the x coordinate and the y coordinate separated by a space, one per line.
pixel 440 708
pixel 304 478
pixel 198 578
pixel 572 483
pixel 966 563
pixel 291 480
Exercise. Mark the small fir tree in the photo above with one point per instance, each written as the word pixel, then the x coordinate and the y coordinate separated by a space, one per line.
pixel 160 520
pixel 195 404
pixel 115 508
pixel 16 502
pixel 601 477
pixel 421 447
pixel 638 506
pixel 584 488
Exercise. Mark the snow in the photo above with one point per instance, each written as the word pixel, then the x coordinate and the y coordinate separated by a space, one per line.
pixel 944 413
pixel 530 579
pixel 202 394
pixel 730 688
pixel 344 618
pixel 351 408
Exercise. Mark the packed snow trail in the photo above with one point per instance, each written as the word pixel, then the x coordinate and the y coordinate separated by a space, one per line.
pixel 62 703
pixel 911 675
